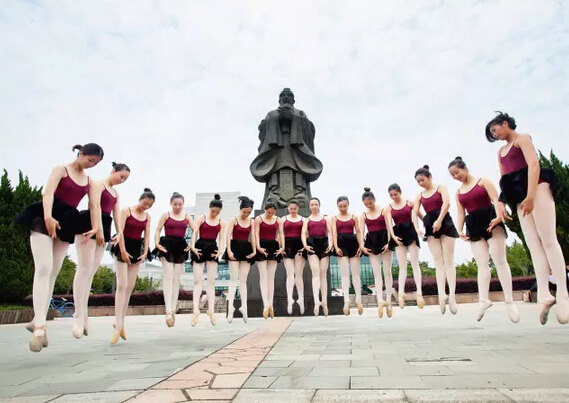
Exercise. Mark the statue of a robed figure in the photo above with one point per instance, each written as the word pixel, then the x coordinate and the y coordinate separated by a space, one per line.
pixel 286 162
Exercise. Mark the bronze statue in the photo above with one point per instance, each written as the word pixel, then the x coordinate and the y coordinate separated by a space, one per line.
pixel 286 162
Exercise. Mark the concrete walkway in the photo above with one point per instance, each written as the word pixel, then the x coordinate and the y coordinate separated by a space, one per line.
pixel 417 356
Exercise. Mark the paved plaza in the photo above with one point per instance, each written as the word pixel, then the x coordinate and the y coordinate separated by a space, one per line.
pixel 417 356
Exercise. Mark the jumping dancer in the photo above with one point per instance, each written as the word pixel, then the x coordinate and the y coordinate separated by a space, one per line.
pixel 269 253
pixel 240 253
pixel 130 250
pixel 52 224
pixel 90 252
pixel 440 232
pixel 290 228
pixel 348 246
pixel 376 245
pixel 530 191
pixel 404 238
pixel 476 196
pixel 315 232
pixel 205 252
pixel 172 250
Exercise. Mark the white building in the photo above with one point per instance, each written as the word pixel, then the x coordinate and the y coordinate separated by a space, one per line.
pixel 230 204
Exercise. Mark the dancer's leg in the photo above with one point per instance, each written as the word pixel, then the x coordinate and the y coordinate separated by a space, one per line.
pixel 401 253
pixel 344 263
pixel 264 283
pixel 314 264
pixel 244 268
pixel 498 250
pixel 324 264
pixel 272 269
pixel 356 280
pixel 211 276
pixel 178 270
pixel 299 263
pixel 289 267
pixel 375 261
pixel 436 249
pixel 43 253
pixel 81 281
pixel 120 293
pixel 233 280
pixel 414 261
pixel 480 250
pixel 168 284
pixel 198 279
pixel 387 258
pixel 132 276
pixel 447 244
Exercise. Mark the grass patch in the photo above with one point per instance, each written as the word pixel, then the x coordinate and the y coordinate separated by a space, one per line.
pixel 13 307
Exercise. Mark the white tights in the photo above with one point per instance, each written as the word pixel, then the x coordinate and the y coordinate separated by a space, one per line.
pixel 210 287
pixel 48 256
pixel 294 270
pixel 482 249
pixel 401 253
pixel 319 268
pixel 238 272
pixel 89 258
pixel 267 270
pixel 126 280
pixel 539 228
pixel 171 287
pixel 375 260
pixel 345 264
pixel 442 251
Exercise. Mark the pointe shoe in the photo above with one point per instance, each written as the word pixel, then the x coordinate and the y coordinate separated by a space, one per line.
pixel 266 313
pixel 443 304
pixel 316 309
pixel 39 339
pixel 289 307
pixel 195 319
pixel 173 319
pixel 271 312
pixel 453 306
pixel 360 309
pixel 389 311
pixel 512 312
pixel 230 314
pixel 301 306
pixel 382 306
pixel 347 309
pixel 324 309
pixel 169 320
pixel 77 331
pixel 402 301
pixel 211 317
pixel 420 302
pixel 482 309
pixel 545 306
pixel 115 336
pixel 244 313
pixel 562 311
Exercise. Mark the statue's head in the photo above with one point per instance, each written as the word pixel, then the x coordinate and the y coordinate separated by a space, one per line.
pixel 286 97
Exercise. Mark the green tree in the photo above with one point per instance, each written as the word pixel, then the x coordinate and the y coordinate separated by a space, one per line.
pixel 64 281
pixel 103 281
pixel 426 270
pixel 467 269
pixel 519 260
pixel 16 262
pixel 145 284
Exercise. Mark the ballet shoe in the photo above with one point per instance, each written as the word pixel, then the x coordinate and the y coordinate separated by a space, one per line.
pixel 453 306
pixel 39 339
pixel 115 336
pixel 562 311
pixel 389 311
pixel 230 314
pixel 195 319
pixel 360 309
pixel 30 327
pixel 173 319
pixel 545 306
pixel 211 317
pixel 301 306
pixel 512 312
pixel 77 331
pixel 324 309
pixel 289 307
pixel 271 312
pixel 316 309
pixel 443 304
pixel 420 302
pixel 402 301
pixel 169 320
pixel 482 309
pixel 382 306
pixel 347 310
pixel 86 327
pixel 266 313
pixel 244 314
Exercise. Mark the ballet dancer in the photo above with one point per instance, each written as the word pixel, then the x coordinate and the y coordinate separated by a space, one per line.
pixel 530 191
pixel 240 253
pixel 52 224
pixel 269 252
pixel 290 229
pixel 376 246
pixel 129 252
pixel 205 252
pixel 404 238
pixel 172 250
pixel 440 232
pixel 90 251
pixel 346 234
pixel 475 196
pixel 315 232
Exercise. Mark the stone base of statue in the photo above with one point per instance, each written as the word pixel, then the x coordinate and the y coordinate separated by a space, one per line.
pixel 255 307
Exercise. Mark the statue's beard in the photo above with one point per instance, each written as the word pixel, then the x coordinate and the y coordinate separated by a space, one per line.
pixel 287 104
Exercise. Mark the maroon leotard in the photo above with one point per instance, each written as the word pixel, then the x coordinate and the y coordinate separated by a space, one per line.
pixel 475 199
pixel 292 229
pixel 317 228
pixel 69 192
pixel 133 227
pixel 175 228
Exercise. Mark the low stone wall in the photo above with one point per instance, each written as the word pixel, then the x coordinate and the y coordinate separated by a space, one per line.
pixel 21 316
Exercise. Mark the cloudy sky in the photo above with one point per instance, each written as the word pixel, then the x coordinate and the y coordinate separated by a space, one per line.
pixel 177 90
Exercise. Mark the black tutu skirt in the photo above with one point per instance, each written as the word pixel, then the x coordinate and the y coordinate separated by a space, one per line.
pixel 32 218
pixel 240 249
pixel 376 241
pixel 134 247
pixel 514 185
pixel 319 244
pixel 207 248
pixel 84 224
pixel 174 246
pixel 478 221
pixel 447 226
pixel 293 247
pixel 271 247
pixel 406 232
pixel 348 244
